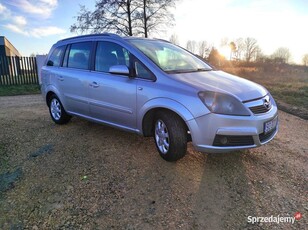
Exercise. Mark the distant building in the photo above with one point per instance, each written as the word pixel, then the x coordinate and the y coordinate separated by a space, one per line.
pixel 7 49
pixel 10 63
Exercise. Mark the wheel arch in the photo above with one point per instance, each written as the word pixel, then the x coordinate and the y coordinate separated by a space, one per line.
pixel 48 97
pixel 51 90
pixel 148 111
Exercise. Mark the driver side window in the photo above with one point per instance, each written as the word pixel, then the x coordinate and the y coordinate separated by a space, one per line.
pixel 109 54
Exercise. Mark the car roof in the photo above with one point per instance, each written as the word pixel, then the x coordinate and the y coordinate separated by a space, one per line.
pixel 111 35
pixel 91 36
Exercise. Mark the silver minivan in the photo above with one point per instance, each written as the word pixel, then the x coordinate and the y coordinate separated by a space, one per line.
pixel 154 88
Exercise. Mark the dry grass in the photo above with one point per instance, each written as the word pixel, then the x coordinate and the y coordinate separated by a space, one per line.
pixel 290 89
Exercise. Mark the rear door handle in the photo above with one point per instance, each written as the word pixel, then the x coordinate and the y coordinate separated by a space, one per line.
pixel 94 84
pixel 60 78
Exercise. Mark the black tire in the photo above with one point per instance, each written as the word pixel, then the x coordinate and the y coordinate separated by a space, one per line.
pixel 57 112
pixel 170 135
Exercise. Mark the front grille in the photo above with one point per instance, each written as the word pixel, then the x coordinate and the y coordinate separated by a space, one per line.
pixel 226 140
pixel 259 109
pixel 264 137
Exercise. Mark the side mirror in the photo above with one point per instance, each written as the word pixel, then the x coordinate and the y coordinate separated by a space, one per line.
pixel 50 63
pixel 119 69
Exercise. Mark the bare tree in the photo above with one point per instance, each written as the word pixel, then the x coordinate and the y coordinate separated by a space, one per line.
pixel 174 39
pixel 127 17
pixel 282 54
pixel 250 48
pixel 305 60
pixel 224 41
pixel 154 14
pixel 233 49
pixel 117 16
pixel 84 22
pixel 204 49
pixel 191 45
pixel 238 54
pixel 258 54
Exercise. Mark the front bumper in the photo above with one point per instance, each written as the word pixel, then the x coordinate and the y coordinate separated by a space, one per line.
pixel 241 132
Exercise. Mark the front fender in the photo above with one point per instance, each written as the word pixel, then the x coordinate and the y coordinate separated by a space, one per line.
pixel 163 103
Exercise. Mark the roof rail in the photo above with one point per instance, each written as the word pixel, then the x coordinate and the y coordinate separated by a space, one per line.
pixel 163 40
pixel 92 35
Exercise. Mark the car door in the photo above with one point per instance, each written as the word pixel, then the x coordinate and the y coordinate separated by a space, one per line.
pixel 51 73
pixel 112 97
pixel 74 78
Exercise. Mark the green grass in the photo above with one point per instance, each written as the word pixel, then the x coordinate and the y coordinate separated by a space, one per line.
pixel 3 159
pixel 13 90
pixel 296 97
pixel 291 89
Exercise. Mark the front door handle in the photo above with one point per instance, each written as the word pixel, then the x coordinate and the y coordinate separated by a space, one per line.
pixel 94 84
pixel 60 78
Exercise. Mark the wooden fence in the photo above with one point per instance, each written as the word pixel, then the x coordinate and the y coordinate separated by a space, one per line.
pixel 18 70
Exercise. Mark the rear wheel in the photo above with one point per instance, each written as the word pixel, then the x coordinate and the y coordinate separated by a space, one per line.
pixel 170 136
pixel 57 112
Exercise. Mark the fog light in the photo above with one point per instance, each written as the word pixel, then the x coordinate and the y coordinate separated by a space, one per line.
pixel 224 140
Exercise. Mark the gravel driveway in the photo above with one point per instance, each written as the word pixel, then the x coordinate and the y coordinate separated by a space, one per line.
pixel 88 176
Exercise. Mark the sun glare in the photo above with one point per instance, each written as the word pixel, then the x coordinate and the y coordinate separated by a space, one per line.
pixel 225 51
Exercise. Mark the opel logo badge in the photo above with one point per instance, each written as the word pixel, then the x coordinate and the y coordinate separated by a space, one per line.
pixel 267 103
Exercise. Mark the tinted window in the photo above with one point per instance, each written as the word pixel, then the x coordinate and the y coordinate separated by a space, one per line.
pixel 142 71
pixel 109 54
pixel 55 57
pixel 79 55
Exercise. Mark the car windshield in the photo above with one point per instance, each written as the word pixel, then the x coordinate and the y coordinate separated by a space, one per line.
pixel 170 58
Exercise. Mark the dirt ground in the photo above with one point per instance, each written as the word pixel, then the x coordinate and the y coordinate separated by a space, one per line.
pixel 88 176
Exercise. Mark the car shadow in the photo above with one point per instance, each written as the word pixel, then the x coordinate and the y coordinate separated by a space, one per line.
pixel 224 199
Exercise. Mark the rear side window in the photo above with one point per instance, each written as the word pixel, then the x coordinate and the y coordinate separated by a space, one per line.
pixel 79 55
pixel 55 57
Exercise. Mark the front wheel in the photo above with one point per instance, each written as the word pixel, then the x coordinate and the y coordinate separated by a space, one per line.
pixel 170 136
pixel 57 112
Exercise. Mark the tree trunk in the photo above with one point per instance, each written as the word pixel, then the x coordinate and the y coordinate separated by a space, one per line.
pixel 129 15
pixel 145 19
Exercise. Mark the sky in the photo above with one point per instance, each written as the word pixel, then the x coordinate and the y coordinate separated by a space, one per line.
pixel 32 26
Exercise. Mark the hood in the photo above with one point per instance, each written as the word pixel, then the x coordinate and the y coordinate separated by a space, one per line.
pixel 219 81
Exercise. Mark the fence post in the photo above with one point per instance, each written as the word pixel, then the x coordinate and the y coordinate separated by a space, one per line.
pixel 2 70
pixel 16 70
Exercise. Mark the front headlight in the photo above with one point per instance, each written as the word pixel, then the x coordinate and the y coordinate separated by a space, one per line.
pixel 272 99
pixel 223 104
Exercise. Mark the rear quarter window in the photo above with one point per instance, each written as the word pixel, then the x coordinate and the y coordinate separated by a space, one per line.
pixel 55 57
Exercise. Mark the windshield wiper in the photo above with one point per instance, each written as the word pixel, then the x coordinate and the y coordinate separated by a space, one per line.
pixel 179 71
pixel 203 69
pixel 175 71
